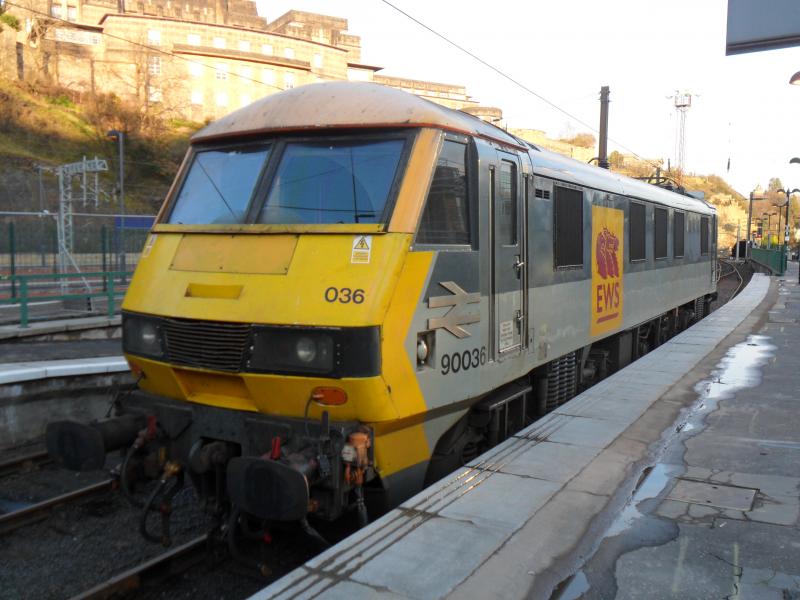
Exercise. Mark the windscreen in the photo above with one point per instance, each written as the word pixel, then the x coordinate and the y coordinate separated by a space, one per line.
pixel 219 186
pixel 332 182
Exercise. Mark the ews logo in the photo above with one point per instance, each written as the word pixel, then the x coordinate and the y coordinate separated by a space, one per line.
pixel 607 281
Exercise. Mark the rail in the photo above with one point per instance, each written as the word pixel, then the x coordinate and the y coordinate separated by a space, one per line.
pixel 23 297
pixel 21 463
pixel 36 512
pixel 156 569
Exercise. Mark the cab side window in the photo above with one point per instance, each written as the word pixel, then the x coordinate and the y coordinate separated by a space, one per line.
pixel 446 216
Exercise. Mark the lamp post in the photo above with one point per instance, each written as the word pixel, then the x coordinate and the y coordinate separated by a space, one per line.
pixel 795 80
pixel 779 207
pixel 119 136
pixel 768 217
pixel 756 194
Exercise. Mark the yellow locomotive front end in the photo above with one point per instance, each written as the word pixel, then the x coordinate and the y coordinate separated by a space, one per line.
pixel 266 324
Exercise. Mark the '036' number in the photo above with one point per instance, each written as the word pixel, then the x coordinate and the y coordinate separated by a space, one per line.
pixel 463 361
pixel 344 295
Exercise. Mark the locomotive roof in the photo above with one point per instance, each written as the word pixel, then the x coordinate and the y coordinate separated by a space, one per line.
pixel 359 105
pixel 345 104
pixel 555 166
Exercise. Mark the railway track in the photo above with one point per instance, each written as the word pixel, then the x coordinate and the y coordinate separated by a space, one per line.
pixel 39 511
pixel 733 269
pixel 170 563
pixel 23 463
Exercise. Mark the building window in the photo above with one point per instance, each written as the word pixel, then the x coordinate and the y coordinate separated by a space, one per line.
pixel 72 13
pixel 318 61
pixel 222 99
pixel 703 235
pixel 247 72
pixel 154 65
pixel 193 39
pixel 219 42
pixel 289 81
pixel 266 48
pixel 567 227
pixel 197 97
pixel 154 37
pixel 244 45
pixel 55 11
pixel 195 69
pixel 154 94
pixel 446 216
pixel 245 99
pixel 636 232
pixel 678 231
pixel 288 52
pixel 660 237
pixel 222 71
pixel 268 76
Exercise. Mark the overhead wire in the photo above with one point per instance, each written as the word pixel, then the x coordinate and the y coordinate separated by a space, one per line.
pixel 510 78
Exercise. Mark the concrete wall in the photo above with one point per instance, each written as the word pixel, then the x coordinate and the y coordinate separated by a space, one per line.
pixel 26 408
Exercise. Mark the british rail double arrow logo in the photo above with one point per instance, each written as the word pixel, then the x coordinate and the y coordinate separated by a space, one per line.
pixel 456 316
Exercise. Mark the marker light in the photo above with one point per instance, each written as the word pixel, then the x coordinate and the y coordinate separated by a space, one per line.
pixel 329 396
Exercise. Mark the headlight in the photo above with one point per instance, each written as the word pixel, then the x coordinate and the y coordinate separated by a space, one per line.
pixel 290 350
pixel 326 351
pixel 142 336
pixel 306 350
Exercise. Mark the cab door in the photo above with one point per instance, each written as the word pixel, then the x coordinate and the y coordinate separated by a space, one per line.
pixel 508 262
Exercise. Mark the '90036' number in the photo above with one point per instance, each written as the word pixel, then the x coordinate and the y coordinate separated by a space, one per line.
pixel 344 295
pixel 463 361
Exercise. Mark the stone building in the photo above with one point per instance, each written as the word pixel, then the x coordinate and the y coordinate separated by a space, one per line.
pixel 196 59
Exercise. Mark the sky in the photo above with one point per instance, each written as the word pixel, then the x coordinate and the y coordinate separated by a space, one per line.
pixel 743 107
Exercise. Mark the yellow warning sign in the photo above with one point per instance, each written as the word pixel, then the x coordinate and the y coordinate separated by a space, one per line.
pixel 362 247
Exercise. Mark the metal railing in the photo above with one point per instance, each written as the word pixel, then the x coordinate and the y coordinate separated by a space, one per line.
pixel 772 258
pixel 109 290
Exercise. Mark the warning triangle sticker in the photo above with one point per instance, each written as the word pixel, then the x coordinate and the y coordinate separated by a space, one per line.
pixel 361 244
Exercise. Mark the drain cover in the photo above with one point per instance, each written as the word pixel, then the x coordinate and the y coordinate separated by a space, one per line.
pixel 713 494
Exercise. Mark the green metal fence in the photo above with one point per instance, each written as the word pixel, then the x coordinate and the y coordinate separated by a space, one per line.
pixel 773 258
pixel 108 285
pixel 29 245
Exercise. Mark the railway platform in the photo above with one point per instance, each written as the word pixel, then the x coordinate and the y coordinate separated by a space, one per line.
pixel 676 477
pixel 57 368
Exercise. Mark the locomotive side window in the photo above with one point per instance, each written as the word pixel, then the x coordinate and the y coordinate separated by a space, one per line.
pixel 446 216
pixel 219 185
pixel 568 227
pixel 636 235
pixel 507 215
pixel 335 181
pixel 678 232
pixel 703 235
pixel 660 237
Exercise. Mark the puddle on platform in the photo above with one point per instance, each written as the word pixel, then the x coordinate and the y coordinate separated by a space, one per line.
pixel 739 369
pixel 572 588
pixel 651 486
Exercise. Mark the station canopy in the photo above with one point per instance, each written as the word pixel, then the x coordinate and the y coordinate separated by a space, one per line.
pixel 755 25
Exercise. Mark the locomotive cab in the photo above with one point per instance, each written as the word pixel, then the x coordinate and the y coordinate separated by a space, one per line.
pixel 263 326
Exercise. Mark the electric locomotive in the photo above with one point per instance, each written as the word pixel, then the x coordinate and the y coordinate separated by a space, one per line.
pixel 350 291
